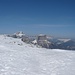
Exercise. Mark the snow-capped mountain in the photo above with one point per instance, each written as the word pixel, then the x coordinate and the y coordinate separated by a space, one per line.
pixel 64 40
pixel 67 44
pixel 19 34
pixel 19 58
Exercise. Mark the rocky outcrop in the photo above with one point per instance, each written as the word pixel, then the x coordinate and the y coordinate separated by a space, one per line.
pixel 25 39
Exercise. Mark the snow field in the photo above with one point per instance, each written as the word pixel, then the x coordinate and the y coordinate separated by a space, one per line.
pixel 18 58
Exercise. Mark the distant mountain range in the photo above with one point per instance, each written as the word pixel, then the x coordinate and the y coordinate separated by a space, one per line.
pixel 68 44
pixel 46 41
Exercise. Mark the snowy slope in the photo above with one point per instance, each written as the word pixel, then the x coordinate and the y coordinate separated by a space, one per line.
pixel 18 58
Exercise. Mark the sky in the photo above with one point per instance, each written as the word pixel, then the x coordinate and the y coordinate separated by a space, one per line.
pixel 51 17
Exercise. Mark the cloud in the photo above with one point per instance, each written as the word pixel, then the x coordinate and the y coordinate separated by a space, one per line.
pixel 44 25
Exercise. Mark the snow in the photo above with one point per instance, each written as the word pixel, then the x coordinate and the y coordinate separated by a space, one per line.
pixel 64 40
pixel 19 34
pixel 18 58
pixel 34 42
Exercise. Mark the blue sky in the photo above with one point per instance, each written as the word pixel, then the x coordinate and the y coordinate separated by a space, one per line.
pixel 52 17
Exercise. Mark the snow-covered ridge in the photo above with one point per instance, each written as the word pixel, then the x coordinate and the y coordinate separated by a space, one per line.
pixel 64 40
pixel 19 58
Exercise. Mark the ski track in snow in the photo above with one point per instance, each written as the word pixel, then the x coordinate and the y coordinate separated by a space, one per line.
pixel 18 58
